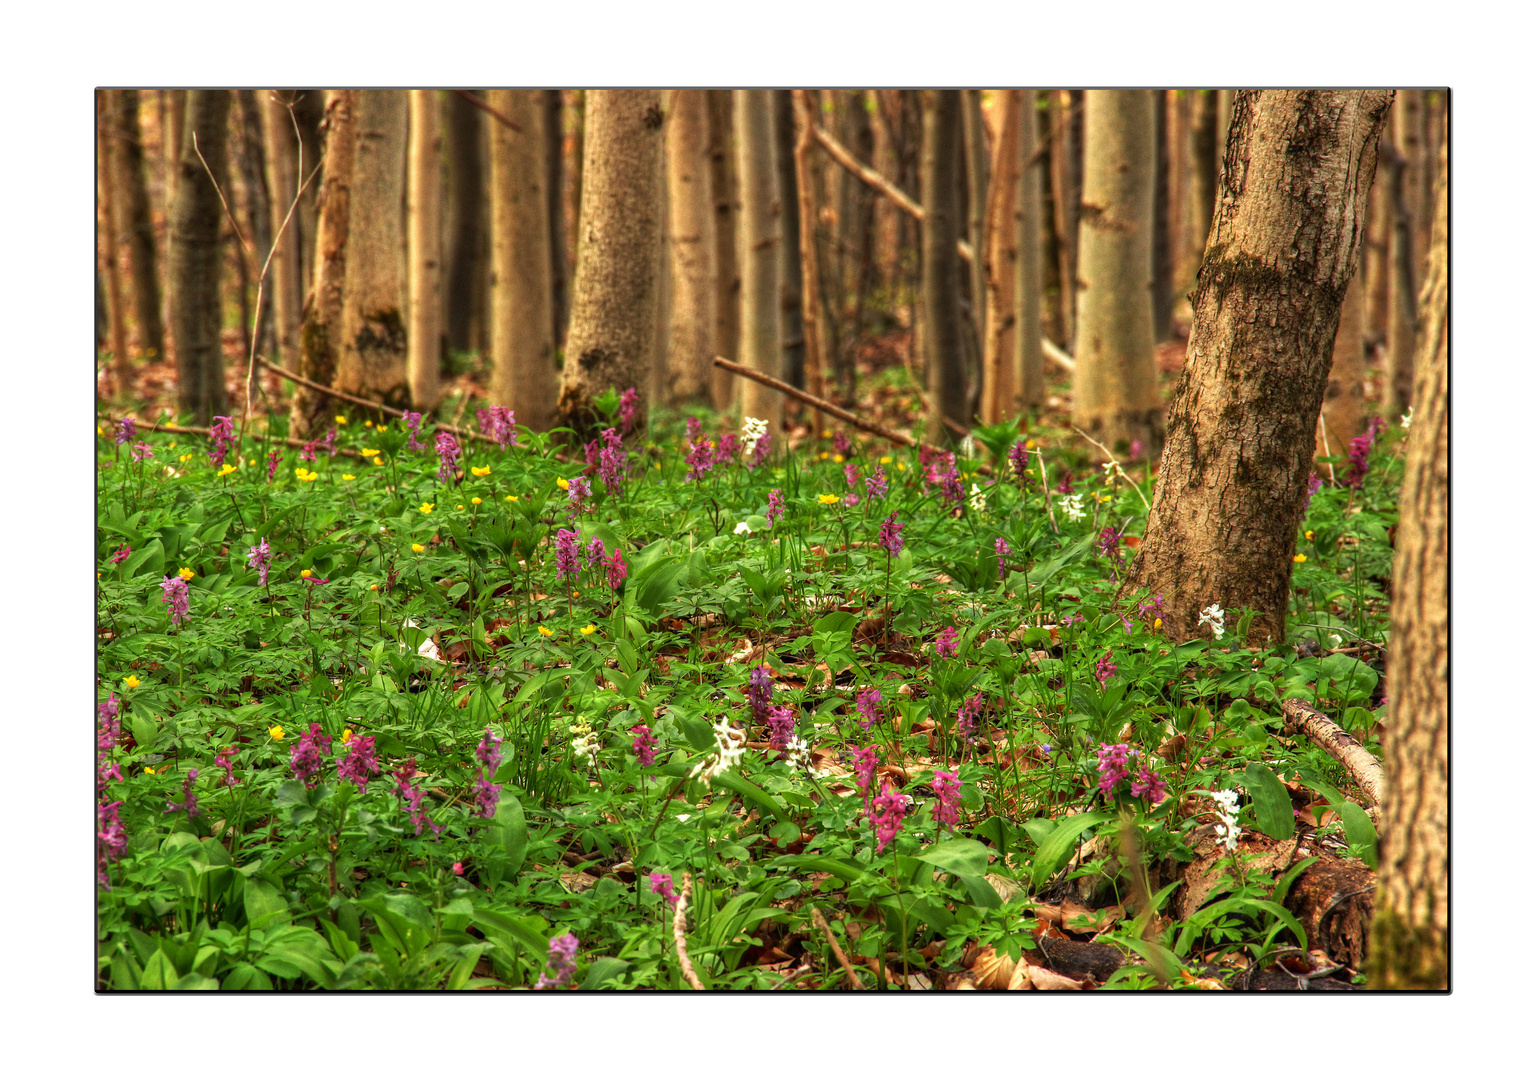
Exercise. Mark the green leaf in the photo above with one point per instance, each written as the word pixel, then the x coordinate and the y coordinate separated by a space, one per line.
pixel 1053 855
pixel 1269 799
pixel 980 892
pixel 1045 570
pixel 1360 831
pixel 507 839
pixel 159 973
pixel 960 856
pixel 265 903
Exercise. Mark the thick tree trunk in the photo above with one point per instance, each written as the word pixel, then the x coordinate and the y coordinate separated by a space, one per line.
pixel 134 224
pixel 555 198
pixel 117 334
pixel 794 347
pixel 196 310
pixel 1030 380
pixel 729 282
pixel 1284 247
pixel 1000 254
pixel 524 373
pixel 691 248
pixel 1410 930
pixel 284 285
pixel 320 334
pixel 1065 175
pixel 612 338
pixel 759 239
pixel 1341 413
pixel 424 343
pixel 465 289
pixel 941 268
pixel 1116 388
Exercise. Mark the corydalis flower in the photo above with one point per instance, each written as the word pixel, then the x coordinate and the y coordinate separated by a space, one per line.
pixel 178 603
pixel 273 458
pixel 977 500
pixel 782 726
pixel 586 745
pixel 753 431
pixel 942 469
pixel 699 458
pixel 798 754
pixel 890 535
pixel 842 445
pixel 359 763
pixel 497 421
pixel 562 963
pixel 617 568
pixel 946 642
pixel 1309 491
pixel 948 798
pixel 1213 616
pixel 488 756
pixel 611 462
pixel 967 717
pixel 1149 786
pixel 448 454
pixel 1357 453
pixel 868 704
pixel 189 801
pixel 222 431
pixel 1002 548
pixel 1228 803
pixel 111 840
pixel 1109 544
pixel 143 451
pixel 644 746
pixel 1104 669
pixel 864 761
pixel 120 554
pixel 127 430
pixel 413 423
pixel 730 743
pixel 225 760
pixel 662 885
pixel 412 796
pixel 887 811
pixel 630 402
pixel 1073 506
pixel 777 506
pixel 1111 763
pixel 305 757
pixel 1020 460
pixel 261 560
pixel 577 495
pixel 760 691
pixel 568 558
pixel 876 485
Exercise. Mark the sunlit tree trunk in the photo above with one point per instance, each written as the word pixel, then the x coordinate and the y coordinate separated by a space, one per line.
pixel 975 324
pixel 1341 413
pixel 794 348
pixel 814 319
pixel 174 122
pixel 282 153
pixel 1030 381
pixel 1378 250
pixel 310 112
pixel 196 254
pixel 117 333
pixel 759 239
pixel 1409 949
pixel 1065 176
pixel 1285 243
pixel 424 343
pixel 691 247
pixel 134 225
pixel 320 334
pixel 256 202
pixel 941 268
pixel 613 332
pixel 524 372
pixel 1000 253
pixel 1116 389
pixel 729 282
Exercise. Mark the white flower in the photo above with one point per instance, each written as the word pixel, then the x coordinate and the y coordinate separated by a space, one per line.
pixel 968 447
pixel 730 743
pixel 753 430
pixel 975 500
pixel 743 529
pixel 585 745
pixel 1073 506
pixel 799 754
pixel 1213 616
pixel 1228 817
pixel 1405 421
pixel 1111 469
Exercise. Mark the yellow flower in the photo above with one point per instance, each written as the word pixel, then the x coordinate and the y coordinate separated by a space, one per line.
pixel 418 548
pixel 368 423
pixel 226 469
pixel 1309 534
pixel 131 682
pixel 546 633
pixel 276 731
pixel 902 467
pixel 1031 444
pixel 369 453
pixel 480 470
pixel 376 461
pixel 347 735
pixel 837 457
pixel 828 500
pixel 185 458
pixel 1301 558
pixel 374 588
pixel 300 472
pixel 511 498
pixel 309 477
pixel 658 465
pixel 587 629
pixel 1158 623
pixel 306 572
pixel 460 506
pixel 561 483
pixel 347 476
pixel 475 501
pixel 886 461
pixel 824 455
pixel 342 421
pixel 426 508
pixel 251 461
pixel 185 573
pixel 148 771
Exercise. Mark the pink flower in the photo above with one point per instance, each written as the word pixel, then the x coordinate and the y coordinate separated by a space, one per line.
pixel 948 797
pixel 359 763
pixel 1148 786
pixel 864 760
pixel 448 454
pixel 120 554
pixel 222 431
pixel 887 811
pixel 177 601
pixel 946 642
pixel 617 567
pixel 305 757
pixel 868 704
pixel 644 746
pixel 662 885
pixel 1104 669
pixel 1111 763
pixel 777 506
pixel 967 717
pixel 890 535
pixel 782 726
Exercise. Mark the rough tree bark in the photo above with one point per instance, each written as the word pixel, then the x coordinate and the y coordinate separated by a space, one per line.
pixel 134 224
pixel 975 147
pixel 941 269
pixel 320 333
pixel 195 257
pixel 1000 253
pixel 1409 948
pixel 753 115
pixel 728 279
pixel 372 363
pixel 612 337
pixel 1230 496
pixel 257 202
pixel 1030 379
pixel 282 155
pixel 794 348
pixel 555 198
pixel 117 333
pixel 691 248
pixel 1116 388
pixel 424 201
pixel 465 284
pixel 524 374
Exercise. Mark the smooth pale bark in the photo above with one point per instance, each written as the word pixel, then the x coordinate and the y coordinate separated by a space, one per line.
pixel 320 334
pixel 1064 169
pixel 613 333
pixel 257 226
pixel 282 145
pixel 1409 946
pixel 1116 387
pixel 691 248
pixel 524 375
pixel 424 206
pixel 1341 413
pixel 134 224
pixel 195 258
pixel 729 282
pixel 794 348
pixel 1240 437
pixel 1000 249
pixel 753 120
pixel 813 317
pixel 117 333
pixel 466 270
pixel 940 267
pixel 1030 379
pixel 373 358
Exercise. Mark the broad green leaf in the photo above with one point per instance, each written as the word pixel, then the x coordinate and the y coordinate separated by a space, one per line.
pixel 1053 855
pixel 959 855
pixel 265 904
pixel 1269 799
pixel 159 973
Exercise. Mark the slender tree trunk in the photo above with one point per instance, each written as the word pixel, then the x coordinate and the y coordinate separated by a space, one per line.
pixel 1400 338
pixel 794 348
pixel 1410 120
pixel 134 222
pixel 320 334
pixel 1409 948
pixel 813 319
pixel 171 149
pixel 975 323
pixel 1341 413
pixel 1030 379
pixel 1161 239
pixel 466 285
pixel 941 284
pixel 195 258
pixel 1201 173
pixel 1064 173
pixel 1381 229
pixel 424 345
pixel 555 176
pixel 524 373
pixel 257 203
pixel 613 335
pixel 107 224
pixel 1284 246
pixel 729 282
pixel 753 115
pixel 856 220
pixel 691 247
pixel 372 363
pixel 1000 253
pixel 1116 388
pixel 285 288
pixel 310 113
pixel 1225 107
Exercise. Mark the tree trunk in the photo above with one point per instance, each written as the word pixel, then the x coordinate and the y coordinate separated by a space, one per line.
pixel 1064 168
pixel 975 324
pixel 753 115
pixel 1161 238
pixel 691 248
pixel 1381 227
pixel 285 288
pixel 310 113
pixel 1000 252
pixel 729 282
pixel 613 335
pixel 320 334
pixel 1341 413
pixel 1201 172
pixel 794 348
pixel 117 319
pixel 555 197
pixel 1284 246
pixel 1402 265
pixel 175 124
pixel 134 222
pixel 941 269
pixel 372 363
pixel 524 373
pixel 257 204
pixel 1410 931
pixel 813 319
pixel 196 304
pixel 465 300
pixel 424 344
pixel 1116 388
pixel 1030 379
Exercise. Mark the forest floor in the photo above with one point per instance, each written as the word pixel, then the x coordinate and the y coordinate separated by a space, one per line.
pixel 656 716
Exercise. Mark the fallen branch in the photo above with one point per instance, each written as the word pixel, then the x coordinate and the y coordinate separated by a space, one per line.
pixel 177 429
pixel 484 107
pixel 844 961
pixel 1323 732
pixel 680 915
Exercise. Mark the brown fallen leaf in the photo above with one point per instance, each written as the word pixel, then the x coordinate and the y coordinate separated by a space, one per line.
pixel 1043 979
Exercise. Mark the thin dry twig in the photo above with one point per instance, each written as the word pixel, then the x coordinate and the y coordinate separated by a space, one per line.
pixel 680 915
pixel 227 211
pixel 795 976
pixel 1047 496
pixel 844 961
pixel 178 429
pixel 484 107
pixel 1117 465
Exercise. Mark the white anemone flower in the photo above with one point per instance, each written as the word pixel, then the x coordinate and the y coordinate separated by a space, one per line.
pixel 743 529
pixel 1405 421
pixel 1228 803
pixel 1072 505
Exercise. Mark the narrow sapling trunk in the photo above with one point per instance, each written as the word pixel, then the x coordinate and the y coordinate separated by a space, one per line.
pixel 424 200
pixel 729 282
pixel 691 248
pixel 134 223
pixel 283 148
